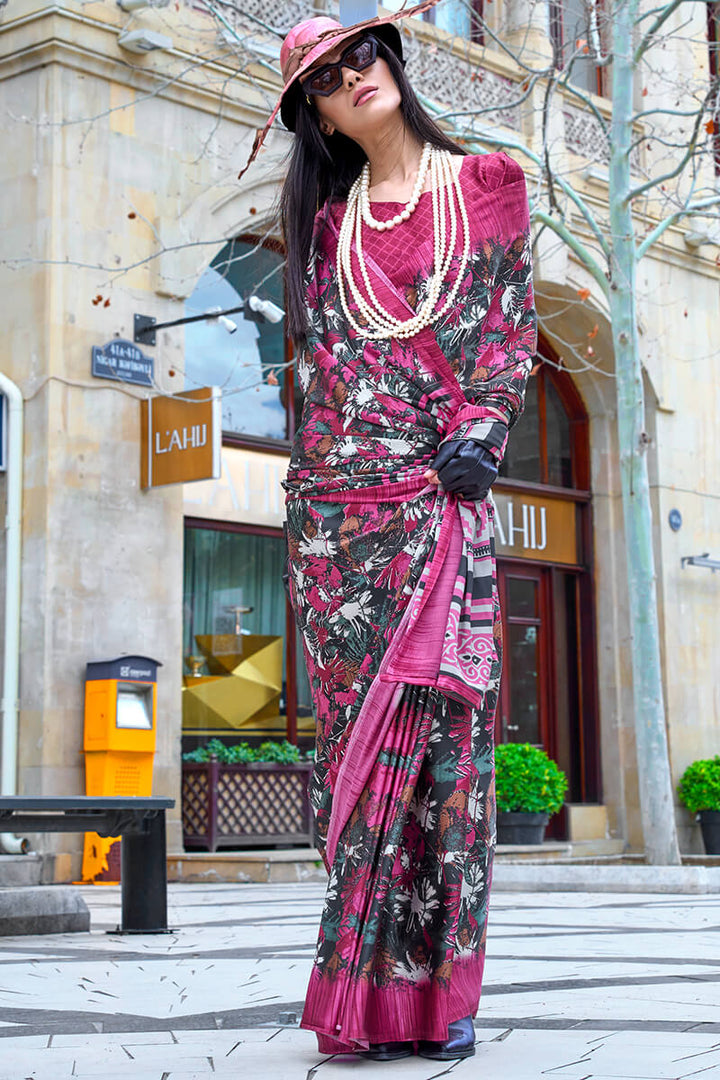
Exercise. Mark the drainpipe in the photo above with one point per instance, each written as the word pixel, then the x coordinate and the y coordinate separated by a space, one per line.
pixel 9 843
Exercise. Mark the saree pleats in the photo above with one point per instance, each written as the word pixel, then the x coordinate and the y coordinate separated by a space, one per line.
pixel 403 928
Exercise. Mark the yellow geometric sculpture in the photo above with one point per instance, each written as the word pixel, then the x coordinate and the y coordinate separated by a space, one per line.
pixel 250 689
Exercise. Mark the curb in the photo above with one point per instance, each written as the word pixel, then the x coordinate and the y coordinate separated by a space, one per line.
pixel 43 909
pixel 607 879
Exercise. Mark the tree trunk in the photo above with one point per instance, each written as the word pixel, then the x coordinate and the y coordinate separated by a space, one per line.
pixel 656 793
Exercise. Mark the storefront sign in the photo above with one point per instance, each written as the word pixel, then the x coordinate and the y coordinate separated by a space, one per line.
pixel 248 490
pixel 541 528
pixel 180 437
pixel 122 361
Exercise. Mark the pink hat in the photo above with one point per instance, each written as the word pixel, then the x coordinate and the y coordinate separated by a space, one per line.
pixel 310 40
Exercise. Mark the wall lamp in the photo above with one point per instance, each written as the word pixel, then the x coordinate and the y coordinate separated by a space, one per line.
pixel 701 560
pixel 254 308
pixel 694 238
pixel 144 41
pixel 138 5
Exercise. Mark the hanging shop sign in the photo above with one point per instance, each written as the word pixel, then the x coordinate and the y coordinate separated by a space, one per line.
pixel 122 361
pixel 181 437
pixel 248 490
pixel 541 528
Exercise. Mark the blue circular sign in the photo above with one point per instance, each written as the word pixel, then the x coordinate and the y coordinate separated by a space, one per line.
pixel 675 520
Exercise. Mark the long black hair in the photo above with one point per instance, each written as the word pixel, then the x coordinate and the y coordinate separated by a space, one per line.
pixel 322 170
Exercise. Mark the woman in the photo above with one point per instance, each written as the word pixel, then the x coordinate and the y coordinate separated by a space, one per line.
pixel 409 295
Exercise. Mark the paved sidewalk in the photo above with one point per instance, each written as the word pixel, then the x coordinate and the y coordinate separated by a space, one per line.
pixel 578 987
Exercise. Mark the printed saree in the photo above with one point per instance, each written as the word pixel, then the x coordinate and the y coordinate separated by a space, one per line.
pixel 394 590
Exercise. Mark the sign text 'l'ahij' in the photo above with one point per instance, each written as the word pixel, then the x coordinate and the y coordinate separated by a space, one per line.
pixel 180 438
pixel 542 528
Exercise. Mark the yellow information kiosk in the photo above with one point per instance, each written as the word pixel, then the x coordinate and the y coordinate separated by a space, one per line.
pixel 119 744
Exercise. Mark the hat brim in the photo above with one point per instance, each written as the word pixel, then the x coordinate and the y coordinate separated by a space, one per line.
pixel 384 29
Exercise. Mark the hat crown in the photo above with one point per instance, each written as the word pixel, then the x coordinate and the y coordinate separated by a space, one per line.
pixel 298 44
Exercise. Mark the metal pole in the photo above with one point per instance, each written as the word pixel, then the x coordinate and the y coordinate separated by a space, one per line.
pixel 11 648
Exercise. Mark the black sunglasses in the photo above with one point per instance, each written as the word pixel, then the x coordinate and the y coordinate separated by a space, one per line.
pixel 327 79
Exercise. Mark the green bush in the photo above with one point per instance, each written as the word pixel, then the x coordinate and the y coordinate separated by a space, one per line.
pixel 526 779
pixel 699 787
pixel 284 753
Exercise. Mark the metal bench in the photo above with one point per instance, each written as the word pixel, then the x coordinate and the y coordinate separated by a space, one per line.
pixel 141 824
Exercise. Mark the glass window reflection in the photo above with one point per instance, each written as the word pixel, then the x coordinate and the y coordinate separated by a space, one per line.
pixel 522 457
pixel 249 363
pixel 559 455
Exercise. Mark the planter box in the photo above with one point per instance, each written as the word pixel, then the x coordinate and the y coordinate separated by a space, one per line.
pixel 520 828
pixel 710 828
pixel 245 806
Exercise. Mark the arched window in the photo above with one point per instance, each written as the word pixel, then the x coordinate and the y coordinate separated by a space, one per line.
pixel 250 363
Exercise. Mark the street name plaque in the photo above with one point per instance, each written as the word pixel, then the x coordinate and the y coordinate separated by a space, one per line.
pixel 122 361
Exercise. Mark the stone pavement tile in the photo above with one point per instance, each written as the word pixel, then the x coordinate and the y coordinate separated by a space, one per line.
pixel 662 1062
pixel 682 1040
pixel 17 1065
pixel 693 1002
pixel 225 1040
pixel 538 1052
pixel 177 1054
pixel 19 1041
pixel 27 1058
pixel 164 988
pixel 132 1067
pixel 108 1038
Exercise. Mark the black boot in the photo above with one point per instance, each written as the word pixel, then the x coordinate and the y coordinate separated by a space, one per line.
pixel 389 1051
pixel 460 1042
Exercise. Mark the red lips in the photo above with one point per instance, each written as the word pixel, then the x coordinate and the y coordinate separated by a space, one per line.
pixel 357 96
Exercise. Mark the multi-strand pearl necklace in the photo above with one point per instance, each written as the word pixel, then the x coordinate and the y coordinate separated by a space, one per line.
pixel 447 201
pixel 381 226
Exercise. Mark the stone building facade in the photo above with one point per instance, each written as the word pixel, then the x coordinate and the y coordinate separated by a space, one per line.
pixel 119 197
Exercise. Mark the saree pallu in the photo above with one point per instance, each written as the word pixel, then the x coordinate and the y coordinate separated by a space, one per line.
pixel 394 591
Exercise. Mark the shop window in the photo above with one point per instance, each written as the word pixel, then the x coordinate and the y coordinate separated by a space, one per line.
pixel 524 661
pixel 546 444
pixel 250 364
pixel 241 679
pixel 577 33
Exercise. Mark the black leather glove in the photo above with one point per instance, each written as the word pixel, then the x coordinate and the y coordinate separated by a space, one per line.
pixel 466 468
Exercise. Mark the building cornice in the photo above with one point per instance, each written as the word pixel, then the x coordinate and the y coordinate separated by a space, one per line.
pixel 49 35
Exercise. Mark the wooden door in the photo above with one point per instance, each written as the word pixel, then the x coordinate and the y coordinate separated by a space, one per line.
pixel 524 713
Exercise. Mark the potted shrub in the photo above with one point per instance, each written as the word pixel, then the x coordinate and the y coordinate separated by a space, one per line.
pixel 699 791
pixel 240 796
pixel 529 788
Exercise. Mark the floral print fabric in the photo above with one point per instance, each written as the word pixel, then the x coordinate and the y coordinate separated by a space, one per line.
pixel 393 587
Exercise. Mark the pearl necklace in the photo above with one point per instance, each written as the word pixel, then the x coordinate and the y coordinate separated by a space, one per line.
pixel 382 226
pixel 381 323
